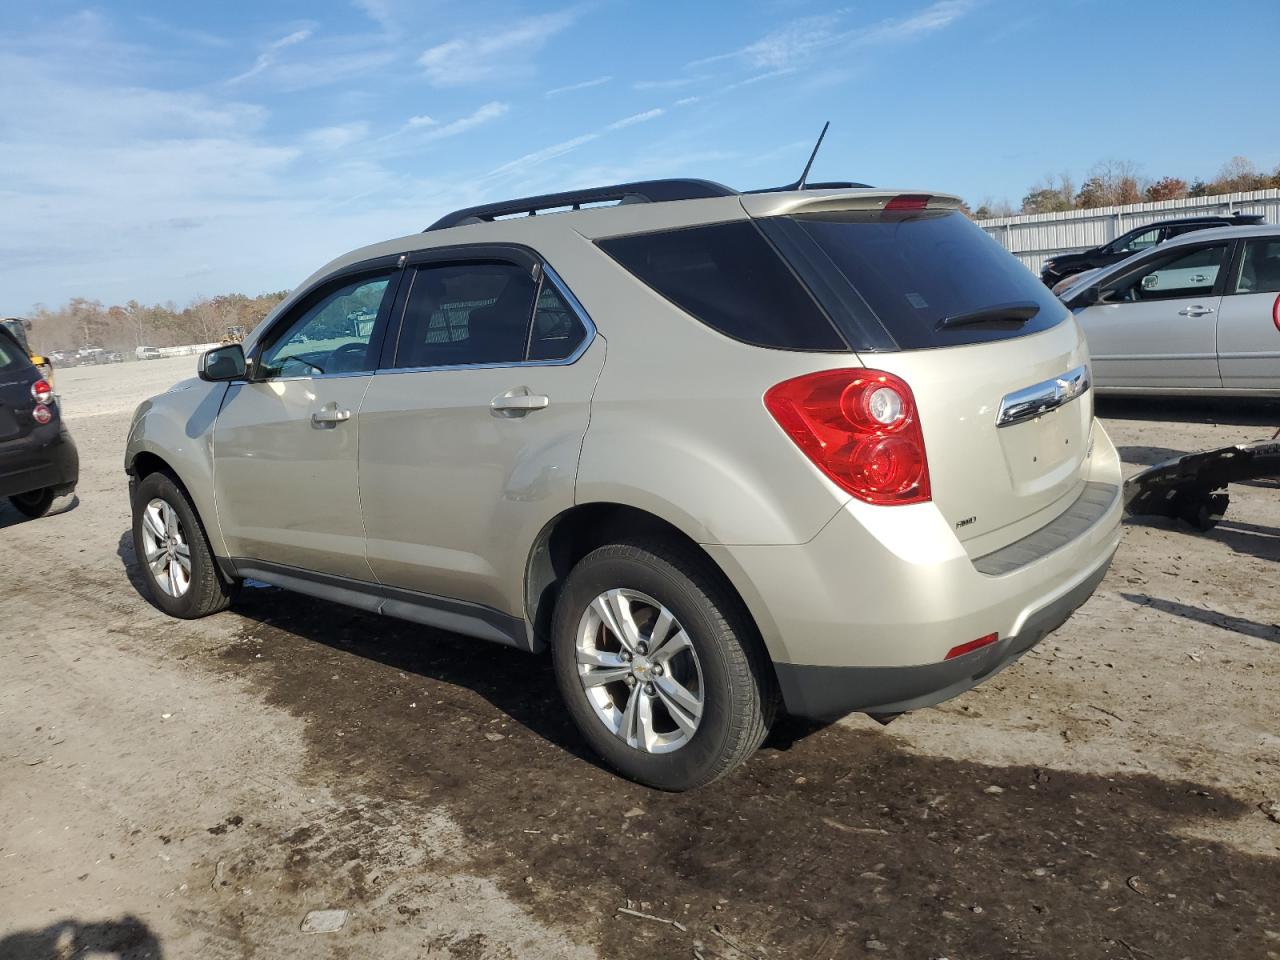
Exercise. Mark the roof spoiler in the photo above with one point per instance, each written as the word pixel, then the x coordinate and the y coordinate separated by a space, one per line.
pixel 829 201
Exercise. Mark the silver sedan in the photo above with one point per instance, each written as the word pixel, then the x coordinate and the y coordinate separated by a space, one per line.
pixel 1199 315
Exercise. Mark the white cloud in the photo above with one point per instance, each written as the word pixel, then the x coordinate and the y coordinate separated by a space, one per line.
pixel 380 11
pixel 268 56
pixel 936 17
pixel 796 41
pixel 186 34
pixel 493 54
pixel 672 84
pixel 520 164
pixel 636 118
pixel 422 120
pixel 435 131
pixel 584 85
pixel 328 68
pixel 336 137
pixel 801 41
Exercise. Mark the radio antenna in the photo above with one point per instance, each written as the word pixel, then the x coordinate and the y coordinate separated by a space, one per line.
pixel 799 184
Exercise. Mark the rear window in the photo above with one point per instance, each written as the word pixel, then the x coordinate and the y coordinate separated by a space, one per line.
pixel 12 357
pixel 892 279
pixel 728 276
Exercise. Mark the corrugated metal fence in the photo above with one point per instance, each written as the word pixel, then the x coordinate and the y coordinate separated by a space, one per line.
pixel 1036 237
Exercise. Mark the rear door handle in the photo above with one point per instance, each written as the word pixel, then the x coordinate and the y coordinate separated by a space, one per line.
pixel 329 415
pixel 1196 311
pixel 518 402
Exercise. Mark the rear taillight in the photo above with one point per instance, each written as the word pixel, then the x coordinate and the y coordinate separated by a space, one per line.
pixel 41 414
pixel 860 428
pixel 41 392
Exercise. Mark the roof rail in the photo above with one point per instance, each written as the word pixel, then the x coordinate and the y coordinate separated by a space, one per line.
pixel 644 191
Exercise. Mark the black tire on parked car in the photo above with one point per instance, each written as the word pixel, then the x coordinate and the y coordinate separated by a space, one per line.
pixel 715 667
pixel 173 552
pixel 34 504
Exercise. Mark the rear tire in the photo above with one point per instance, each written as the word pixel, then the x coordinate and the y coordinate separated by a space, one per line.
pixel 173 551
pixel 34 504
pixel 705 708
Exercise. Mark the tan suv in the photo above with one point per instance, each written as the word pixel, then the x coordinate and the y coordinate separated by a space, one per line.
pixel 825 450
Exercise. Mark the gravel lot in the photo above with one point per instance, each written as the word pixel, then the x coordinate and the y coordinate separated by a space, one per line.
pixel 193 790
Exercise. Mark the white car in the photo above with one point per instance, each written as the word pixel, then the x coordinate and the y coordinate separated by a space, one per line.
pixel 1198 315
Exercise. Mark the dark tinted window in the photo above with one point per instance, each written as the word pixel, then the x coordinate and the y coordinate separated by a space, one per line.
pixel 331 335
pixel 466 313
pixel 729 277
pixel 1137 240
pixel 905 273
pixel 12 357
pixel 557 331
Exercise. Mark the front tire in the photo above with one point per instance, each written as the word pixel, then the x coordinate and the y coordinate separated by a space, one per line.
pixel 34 504
pixel 173 552
pixel 659 665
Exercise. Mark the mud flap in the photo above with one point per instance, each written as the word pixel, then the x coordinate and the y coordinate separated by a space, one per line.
pixel 1194 487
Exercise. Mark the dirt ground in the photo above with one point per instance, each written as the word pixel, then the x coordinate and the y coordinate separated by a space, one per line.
pixel 194 789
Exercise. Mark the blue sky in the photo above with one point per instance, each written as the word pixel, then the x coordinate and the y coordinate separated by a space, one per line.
pixel 164 151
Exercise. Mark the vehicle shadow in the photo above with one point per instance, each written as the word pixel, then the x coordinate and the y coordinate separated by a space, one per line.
pixel 1242 625
pixel 1235 411
pixel 10 516
pixel 132 570
pixel 127 938
pixel 519 685
pixel 1245 538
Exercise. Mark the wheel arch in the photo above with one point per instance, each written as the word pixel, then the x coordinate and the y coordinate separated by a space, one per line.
pixel 142 463
pixel 572 534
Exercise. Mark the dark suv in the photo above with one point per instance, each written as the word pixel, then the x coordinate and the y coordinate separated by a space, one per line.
pixel 38 460
pixel 1139 238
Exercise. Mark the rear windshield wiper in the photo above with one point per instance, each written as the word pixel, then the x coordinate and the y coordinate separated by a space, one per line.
pixel 1015 313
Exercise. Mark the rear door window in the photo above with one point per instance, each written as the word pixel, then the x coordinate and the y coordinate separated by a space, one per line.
pixel 1260 267
pixel 895 280
pixel 728 276
pixel 465 314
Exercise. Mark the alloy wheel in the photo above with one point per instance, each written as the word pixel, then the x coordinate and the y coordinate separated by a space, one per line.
pixel 640 671
pixel 168 556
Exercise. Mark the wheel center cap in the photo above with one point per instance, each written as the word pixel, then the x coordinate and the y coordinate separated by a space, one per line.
pixel 641 668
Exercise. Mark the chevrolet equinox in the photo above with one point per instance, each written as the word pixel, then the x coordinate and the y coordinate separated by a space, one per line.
pixel 724 454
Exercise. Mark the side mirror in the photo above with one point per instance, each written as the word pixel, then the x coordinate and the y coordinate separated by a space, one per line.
pixel 223 363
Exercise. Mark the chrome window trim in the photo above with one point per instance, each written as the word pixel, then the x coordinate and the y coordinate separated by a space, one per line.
pixel 573 303
pixel 1037 399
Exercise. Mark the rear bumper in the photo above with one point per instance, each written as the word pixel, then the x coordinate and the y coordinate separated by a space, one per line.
pixel 862 617
pixel 46 458
pixel 828 693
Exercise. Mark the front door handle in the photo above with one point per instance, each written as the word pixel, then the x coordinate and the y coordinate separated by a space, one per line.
pixel 518 402
pixel 330 415
pixel 1195 311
